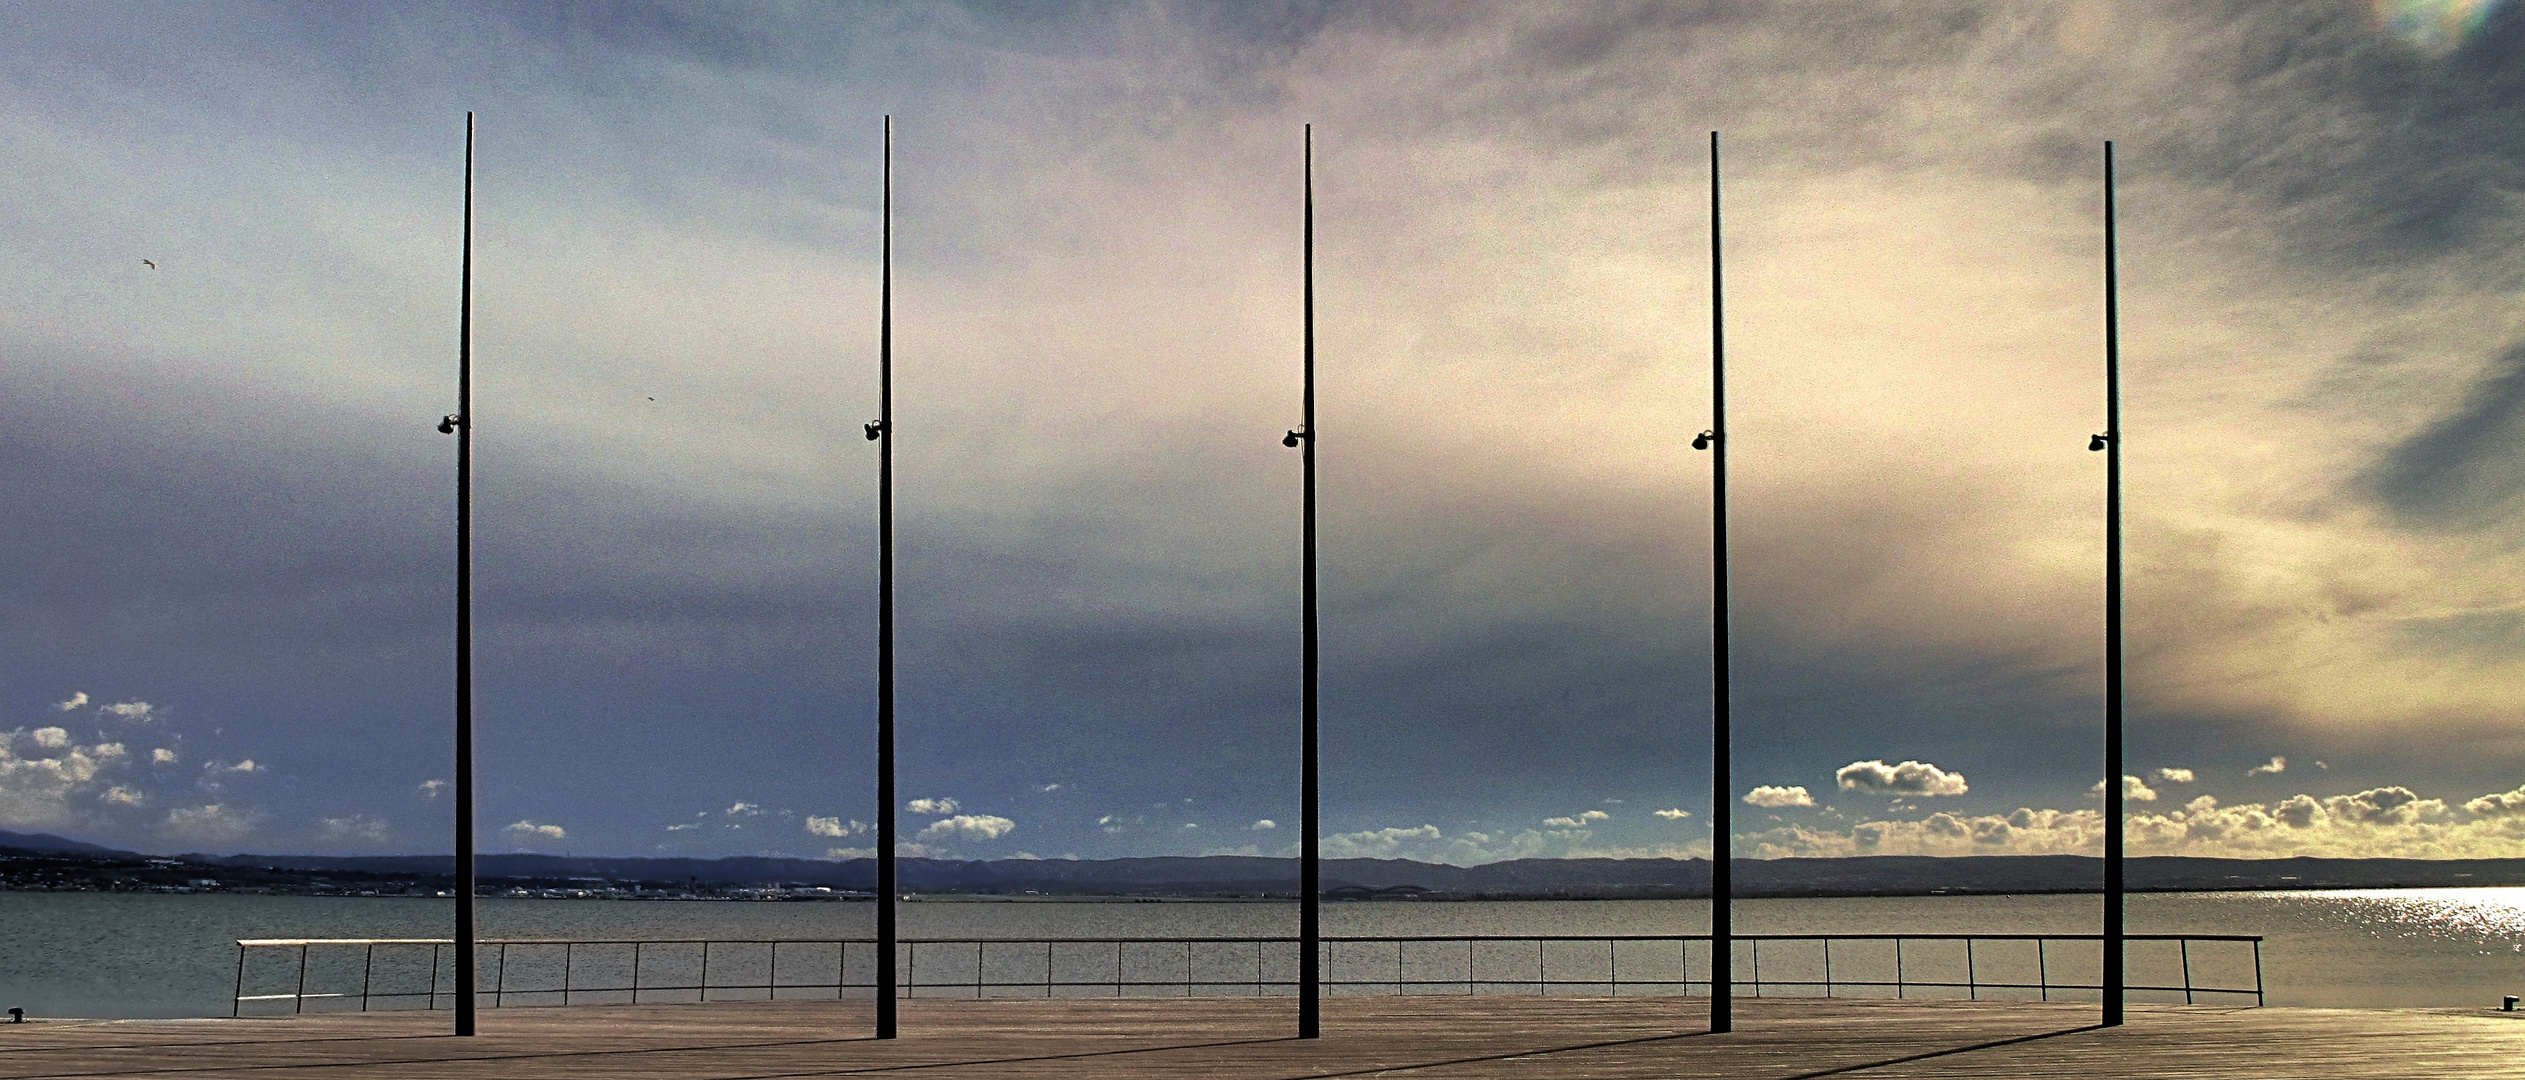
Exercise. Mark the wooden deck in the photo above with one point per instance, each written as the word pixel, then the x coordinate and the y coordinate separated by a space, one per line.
pixel 1400 1037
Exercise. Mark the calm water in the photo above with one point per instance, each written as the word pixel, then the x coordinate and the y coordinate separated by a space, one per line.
pixel 75 954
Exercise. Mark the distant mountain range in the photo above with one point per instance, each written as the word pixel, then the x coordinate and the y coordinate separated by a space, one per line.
pixel 35 860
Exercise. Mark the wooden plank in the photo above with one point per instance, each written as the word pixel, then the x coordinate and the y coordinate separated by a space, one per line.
pixel 1249 1039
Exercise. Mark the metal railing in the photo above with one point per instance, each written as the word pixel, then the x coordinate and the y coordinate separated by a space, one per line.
pixel 331 974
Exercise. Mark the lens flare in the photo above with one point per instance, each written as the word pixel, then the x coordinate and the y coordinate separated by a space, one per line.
pixel 2435 27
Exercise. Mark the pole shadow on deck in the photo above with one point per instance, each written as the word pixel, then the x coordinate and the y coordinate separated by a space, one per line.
pixel 460 425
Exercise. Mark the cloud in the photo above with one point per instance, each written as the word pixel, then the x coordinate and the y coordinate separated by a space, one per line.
pixel 684 827
pixel 2274 767
pixel 1383 843
pixel 850 853
pixel 1908 778
pixel 162 756
pixel 355 828
pixel 124 796
pixel 1047 788
pixel 530 831
pixel 2381 822
pixel 2175 776
pixel 744 809
pixel 2133 788
pixel 214 823
pixel 834 827
pixel 245 766
pixel 76 699
pixel 931 806
pixel 1580 821
pixel 131 710
pixel 43 788
pixel 430 789
pixel 1674 815
pixel 1264 825
pixel 968 827
pixel 1776 797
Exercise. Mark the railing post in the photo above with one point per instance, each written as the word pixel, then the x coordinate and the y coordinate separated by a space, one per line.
pixel 773 994
pixel 2257 973
pixel 1468 967
pixel 1047 971
pixel 635 973
pixel 500 978
pixel 1612 967
pixel 298 1002
pixel 569 950
pixel 433 977
pixel 1827 967
pixel 366 968
pixel 1898 967
pixel 2042 969
pixel 1757 967
pixel 236 1006
pixel 1972 982
pixel 705 971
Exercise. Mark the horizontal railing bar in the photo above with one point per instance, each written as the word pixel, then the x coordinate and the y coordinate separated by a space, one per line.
pixel 294 942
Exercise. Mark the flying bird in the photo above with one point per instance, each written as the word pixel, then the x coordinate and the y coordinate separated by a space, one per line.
pixel 147 263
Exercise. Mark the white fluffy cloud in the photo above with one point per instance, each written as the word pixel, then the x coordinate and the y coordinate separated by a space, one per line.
pixel 1674 814
pixel 744 809
pixel 931 806
pixel 1386 843
pixel 44 787
pixel 2175 776
pixel 162 756
pixel 355 828
pixel 430 789
pixel 2273 767
pixel 1578 821
pixel 1264 825
pixel 2133 788
pixel 834 827
pixel 530 831
pixel 850 853
pixel 77 699
pixel 131 710
pixel 1908 778
pixel 1777 797
pixel 216 823
pixel 2391 821
pixel 123 796
pixel 968 827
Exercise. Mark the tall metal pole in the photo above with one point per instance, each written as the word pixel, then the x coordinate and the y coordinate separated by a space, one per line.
pixel 1310 884
pixel 460 424
pixel 1722 845
pixel 883 432
pixel 2111 443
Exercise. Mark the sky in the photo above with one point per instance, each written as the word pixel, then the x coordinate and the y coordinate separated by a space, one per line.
pixel 229 238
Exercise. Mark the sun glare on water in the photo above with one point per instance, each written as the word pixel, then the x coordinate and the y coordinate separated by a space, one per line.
pixel 2435 27
pixel 2479 914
